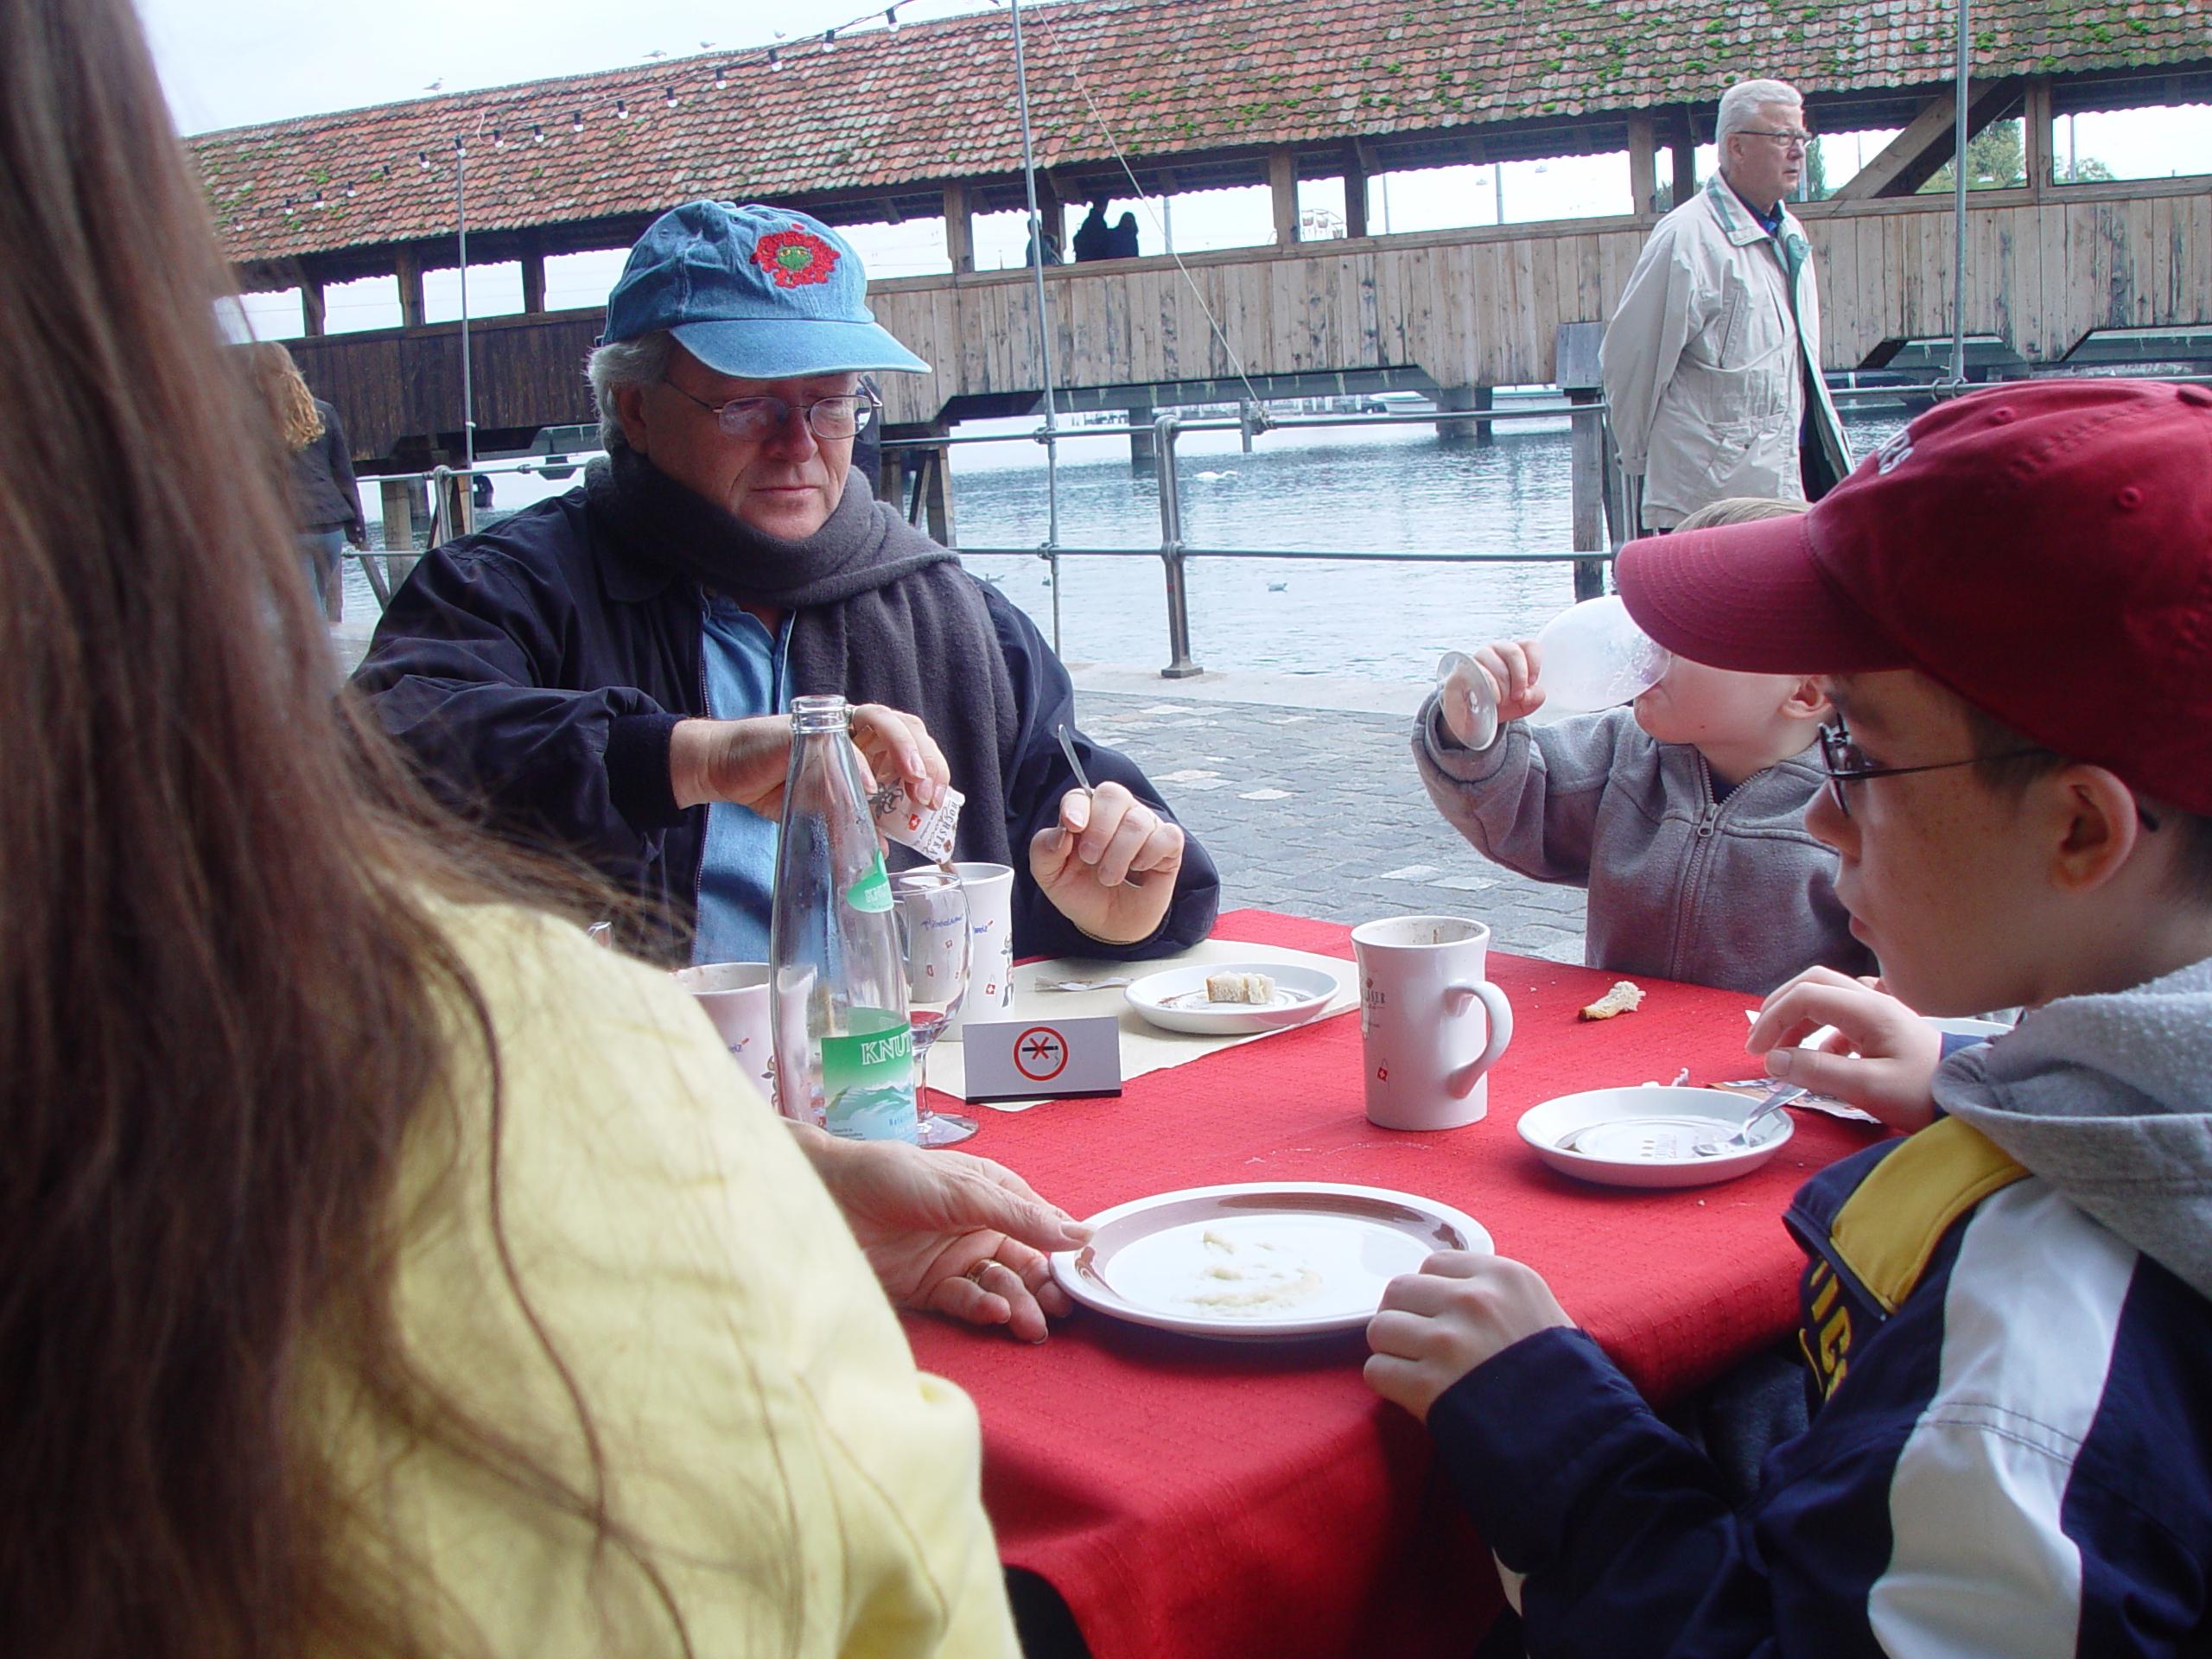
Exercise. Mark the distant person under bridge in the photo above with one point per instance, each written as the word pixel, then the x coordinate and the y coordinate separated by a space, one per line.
pixel 1712 362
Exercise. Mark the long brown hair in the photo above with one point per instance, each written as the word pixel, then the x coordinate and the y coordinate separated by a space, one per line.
pixel 220 988
pixel 291 405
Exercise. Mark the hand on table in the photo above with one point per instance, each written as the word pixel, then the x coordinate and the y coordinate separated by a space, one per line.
pixel 748 760
pixel 947 1233
pixel 1880 1057
pixel 1080 863
pixel 1459 1311
pixel 1512 666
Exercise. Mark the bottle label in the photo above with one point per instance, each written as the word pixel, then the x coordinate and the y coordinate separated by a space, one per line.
pixel 872 892
pixel 928 829
pixel 868 1078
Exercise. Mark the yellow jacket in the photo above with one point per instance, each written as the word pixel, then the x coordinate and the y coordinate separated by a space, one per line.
pixel 778 1463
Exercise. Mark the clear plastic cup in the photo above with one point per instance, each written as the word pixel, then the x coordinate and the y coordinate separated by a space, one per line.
pixel 1592 656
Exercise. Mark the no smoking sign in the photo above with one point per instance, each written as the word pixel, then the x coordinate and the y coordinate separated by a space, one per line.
pixel 1029 1059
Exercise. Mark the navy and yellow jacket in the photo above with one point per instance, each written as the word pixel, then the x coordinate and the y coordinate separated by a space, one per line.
pixel 2012 1453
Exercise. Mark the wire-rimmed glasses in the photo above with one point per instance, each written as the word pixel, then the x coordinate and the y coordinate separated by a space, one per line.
pixel 845 416
pixel 932 912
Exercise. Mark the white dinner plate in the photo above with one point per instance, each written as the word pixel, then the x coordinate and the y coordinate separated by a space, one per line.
pixel 1643 1135
pixel 1259 1263
pixel 1175 999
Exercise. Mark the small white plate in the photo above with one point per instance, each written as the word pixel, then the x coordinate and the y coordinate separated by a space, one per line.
pixel 1646 1133
pixel 1262 1262
pixel 1175 999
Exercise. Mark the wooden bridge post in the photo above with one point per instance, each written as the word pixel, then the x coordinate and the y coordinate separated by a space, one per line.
pixel 1575 356
pixel 403 510
pixel 959 228
pixel 312 311
pixel 1463 432
pixel 1643 164
pixel 407 268
pixel 1282 182
pixel 1685 159
pixel 533 276
pixel 1144 454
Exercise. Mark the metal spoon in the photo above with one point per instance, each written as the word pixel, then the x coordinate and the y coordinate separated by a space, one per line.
pixel 1769 1103
pixel 1067 747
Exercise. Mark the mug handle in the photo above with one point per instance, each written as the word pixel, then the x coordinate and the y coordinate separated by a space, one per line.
pixel 1461 1083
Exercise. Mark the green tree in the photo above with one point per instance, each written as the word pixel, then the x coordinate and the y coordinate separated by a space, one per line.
pixel 1994 160
pixel 1817 173
pixel 2087 170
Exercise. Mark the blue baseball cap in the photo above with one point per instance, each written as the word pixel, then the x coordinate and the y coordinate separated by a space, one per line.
pixel 756 292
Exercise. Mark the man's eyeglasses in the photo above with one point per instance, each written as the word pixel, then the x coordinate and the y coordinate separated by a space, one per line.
pixel 1789 140
pixel 1846 763
pixel 756 418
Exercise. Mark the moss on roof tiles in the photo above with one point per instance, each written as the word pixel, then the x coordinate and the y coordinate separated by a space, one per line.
pixel 1166 75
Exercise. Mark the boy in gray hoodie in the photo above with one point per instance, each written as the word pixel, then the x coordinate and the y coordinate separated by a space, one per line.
pixel 2008 1312
pixel 1681 814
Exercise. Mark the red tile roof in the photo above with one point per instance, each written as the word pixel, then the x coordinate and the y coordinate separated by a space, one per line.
pixel 935 100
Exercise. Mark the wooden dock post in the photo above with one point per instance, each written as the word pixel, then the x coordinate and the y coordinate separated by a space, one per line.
pixel 1575 357
pixel 1144 456
pixel 402 513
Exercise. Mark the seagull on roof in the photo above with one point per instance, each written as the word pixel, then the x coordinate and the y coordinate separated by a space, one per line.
pixel 656 53
pixel 706 46
pixel 436 86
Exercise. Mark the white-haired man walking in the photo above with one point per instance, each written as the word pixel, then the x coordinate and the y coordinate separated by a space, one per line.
pixel 1713 358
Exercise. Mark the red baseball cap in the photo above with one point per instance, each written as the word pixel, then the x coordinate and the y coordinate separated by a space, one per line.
pixel 2043 549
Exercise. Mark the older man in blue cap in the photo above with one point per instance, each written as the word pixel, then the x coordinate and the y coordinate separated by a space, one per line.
pixel 609 671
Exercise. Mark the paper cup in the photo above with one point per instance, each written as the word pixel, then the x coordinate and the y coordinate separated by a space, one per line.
pixel 989 888
pixel 735 996
pixel 1430 1027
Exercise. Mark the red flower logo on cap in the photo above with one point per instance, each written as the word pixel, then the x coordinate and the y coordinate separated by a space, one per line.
pixel 795 257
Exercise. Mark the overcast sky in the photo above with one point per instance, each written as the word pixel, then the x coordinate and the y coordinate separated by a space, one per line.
pixel 230 63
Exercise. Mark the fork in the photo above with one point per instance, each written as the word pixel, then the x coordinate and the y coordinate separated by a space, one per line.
pixel 1067 747
pixel 1772 1101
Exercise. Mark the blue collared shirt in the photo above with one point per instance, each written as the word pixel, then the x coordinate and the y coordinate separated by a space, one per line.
pixel 748 673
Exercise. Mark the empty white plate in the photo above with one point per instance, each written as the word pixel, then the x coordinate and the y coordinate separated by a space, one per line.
pixel 1644 1136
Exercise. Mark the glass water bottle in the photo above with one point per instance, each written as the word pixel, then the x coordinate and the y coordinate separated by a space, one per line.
pixel 844 1058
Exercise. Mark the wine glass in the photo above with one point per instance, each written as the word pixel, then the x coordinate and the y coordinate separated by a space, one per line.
pixel 932 912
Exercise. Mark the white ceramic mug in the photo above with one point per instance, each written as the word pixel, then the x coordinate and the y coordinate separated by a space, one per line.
pixel 736 998
pixel 1430 1027
pixel 989 888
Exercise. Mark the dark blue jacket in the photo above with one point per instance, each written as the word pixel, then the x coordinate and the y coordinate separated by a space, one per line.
pixel 536 669
pixel 2014 1455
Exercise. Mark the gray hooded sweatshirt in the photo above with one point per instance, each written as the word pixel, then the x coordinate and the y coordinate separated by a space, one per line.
pixel 1736 893
pixel 2110 1099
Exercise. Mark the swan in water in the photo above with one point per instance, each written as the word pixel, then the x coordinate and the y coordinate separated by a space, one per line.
pixel 1210 477
pixel 1278 587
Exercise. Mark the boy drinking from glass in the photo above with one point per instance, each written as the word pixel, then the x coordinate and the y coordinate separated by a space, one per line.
pixel 2005 1311
pixel 1681 814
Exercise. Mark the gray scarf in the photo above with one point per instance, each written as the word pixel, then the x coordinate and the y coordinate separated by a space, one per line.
pixel 879 613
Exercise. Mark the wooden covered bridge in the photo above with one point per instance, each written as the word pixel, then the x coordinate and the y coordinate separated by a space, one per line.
pixel 1188 96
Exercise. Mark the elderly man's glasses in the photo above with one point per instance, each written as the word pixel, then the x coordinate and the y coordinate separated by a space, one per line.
pixel 758 417
pixel 1789 140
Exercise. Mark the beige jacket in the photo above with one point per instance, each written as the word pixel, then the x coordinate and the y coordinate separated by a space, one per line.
pixel 796 1486
pixel 1705 359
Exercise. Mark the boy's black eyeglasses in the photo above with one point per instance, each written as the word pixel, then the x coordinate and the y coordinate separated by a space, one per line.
pixel 756 418
pixel 1847 763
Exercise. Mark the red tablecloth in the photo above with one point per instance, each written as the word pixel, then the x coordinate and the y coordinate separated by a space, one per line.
pixel 1190 1499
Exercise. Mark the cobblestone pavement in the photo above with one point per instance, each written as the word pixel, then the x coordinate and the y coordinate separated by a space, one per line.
pixel 1319 812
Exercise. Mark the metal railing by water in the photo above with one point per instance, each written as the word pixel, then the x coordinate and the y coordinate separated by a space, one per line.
pixel 1600 494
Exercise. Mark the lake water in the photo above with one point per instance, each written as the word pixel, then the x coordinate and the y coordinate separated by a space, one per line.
pixel 1395 489
pixel 1370 489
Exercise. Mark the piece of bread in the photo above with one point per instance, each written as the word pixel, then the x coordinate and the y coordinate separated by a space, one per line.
pixel 1240 988
pixel 1622 998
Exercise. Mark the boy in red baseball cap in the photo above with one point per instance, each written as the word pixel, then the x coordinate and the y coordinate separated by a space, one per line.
pixel 2007 1311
